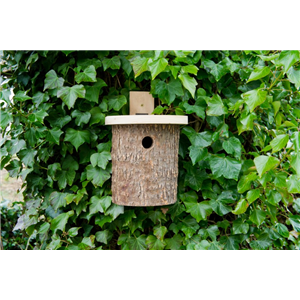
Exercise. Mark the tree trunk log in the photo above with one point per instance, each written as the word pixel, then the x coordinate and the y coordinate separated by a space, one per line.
pixel 144 176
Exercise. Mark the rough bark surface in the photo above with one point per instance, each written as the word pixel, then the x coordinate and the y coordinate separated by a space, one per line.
pixel 140 176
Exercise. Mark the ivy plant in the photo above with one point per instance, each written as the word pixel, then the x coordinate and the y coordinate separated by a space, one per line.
pixel 239 156
pixel 10 239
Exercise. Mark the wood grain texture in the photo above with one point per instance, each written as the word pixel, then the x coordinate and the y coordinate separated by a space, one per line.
pixel 146 119
pixel 141 102
pixel 144 177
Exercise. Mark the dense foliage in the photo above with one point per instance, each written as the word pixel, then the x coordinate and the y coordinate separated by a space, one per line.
pixel 239 156
pixel 9 214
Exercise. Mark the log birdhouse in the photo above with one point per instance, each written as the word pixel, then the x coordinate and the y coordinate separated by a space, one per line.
pixel 144 154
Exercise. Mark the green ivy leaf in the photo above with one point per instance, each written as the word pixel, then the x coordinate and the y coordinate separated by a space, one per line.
pixel 217 70
pixel 100 159
pixel 294 76
pixel 76 197
pixel 73 231
pixel 254 98
pixel 52 169
pixel 279 142
pixel 158 110
pixel 84 63
pixel 257 217
pixel 262 242
pixel 295 222
pixel 97 117
pixel 139 65
pixel 103 236
pixel 198 210
pixel 97 175
pixel 194 178
pixel 154 243
pixel 5 95
pixel 239 227
pixel 156 215
pixel 102 203
pixel 31 136
pixel 274 197
pixel 77 137
pixel 93 92
pixel 65 177
pixel 189 226
pixel 53 135
pixel 27 157
pixel 202 139
pixel 67 52
pixel 233 146
pixel 241 207
pixel 280 180
pixel 245 123
pixel 221 204
pixel 190 69
pixel 197 109
pixel 269 57
pixel 211 231
pixel 259 73
pixel 88 75
pixel 296 140
pixel 215 106
pixel 293 184
pixel 60 221
pixel 197 153
pixel 160 231
pixel 4 153
pixel 189 83
pixel 174 243
pixel 253 195
pixel 157 67
pixel 52 81
pixel 69 163
pixel 116 102
pixel 21 96
pixel 87 243
pixel 58 200
pixel 167 91
pixel 114 63
pixel 137 243
pixel 40 115
pixel 287 59
pixel 225 166
pixel 13 168
pixel 295 162
pixel 60 122
pixel 55 243
pixel 115 210
pixel 106 202
pixel 282 230
pixel 265 163
pixel 70 94
pixel 44 228
pixel 5 119
pixel 81 117
pixel 245 182
pixel 230 242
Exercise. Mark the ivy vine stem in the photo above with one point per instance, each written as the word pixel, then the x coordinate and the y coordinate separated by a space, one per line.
pixel 274 82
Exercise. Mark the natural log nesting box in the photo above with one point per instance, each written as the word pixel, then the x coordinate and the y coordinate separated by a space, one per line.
pixel 145 159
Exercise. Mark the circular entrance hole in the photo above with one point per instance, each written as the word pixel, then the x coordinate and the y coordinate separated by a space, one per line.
pixel 147 142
